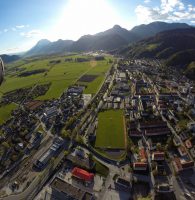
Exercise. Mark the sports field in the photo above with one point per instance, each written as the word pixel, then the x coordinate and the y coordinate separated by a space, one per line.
pixel 5 112
pixel 60 75
pixel 110 131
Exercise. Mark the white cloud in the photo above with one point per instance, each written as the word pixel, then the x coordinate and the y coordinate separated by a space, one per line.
pixel 13 29
pixel 149 14
pixel 193 22
pixel 5 30
pixel 16 28
pixel 32 34
pixel 9 50
pixel 20 26
pixel 171 5
pixel 147 1
pixel 191 8
pixel 181 15
pixel 169 10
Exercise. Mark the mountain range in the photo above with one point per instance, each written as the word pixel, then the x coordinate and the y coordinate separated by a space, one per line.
pixel 9 58
pixel 172 42
pixel 110 39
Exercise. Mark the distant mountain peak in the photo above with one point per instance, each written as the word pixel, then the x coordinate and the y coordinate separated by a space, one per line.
pixel 148 30
pixel 43 42
pixel 117 27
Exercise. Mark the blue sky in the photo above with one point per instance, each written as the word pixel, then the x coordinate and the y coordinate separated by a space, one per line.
pixel 24 22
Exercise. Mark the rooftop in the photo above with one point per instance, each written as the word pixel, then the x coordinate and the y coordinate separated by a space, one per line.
pixel 66 188
pixel 82 174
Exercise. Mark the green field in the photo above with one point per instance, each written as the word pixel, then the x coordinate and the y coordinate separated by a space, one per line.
pixel 99 70
pixel 110 131
pixel 5 112
pixel 60 75
pixel 100 168
pixel 93 87
pixel 151 47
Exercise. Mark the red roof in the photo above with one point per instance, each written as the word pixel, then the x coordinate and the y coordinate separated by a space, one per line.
pixel 82 174
pixel 188 144
pixel 183 165
pixel 142 154
pixel 140 164
pixel 158 155
pixel 187 164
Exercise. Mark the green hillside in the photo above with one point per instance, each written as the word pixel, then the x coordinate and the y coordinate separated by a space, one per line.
pixel 175 47
pixel 190 71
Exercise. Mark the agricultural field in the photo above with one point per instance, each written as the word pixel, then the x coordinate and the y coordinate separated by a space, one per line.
pixel 97 71
pixel 5 112
pixel 110 131
pixel 54 70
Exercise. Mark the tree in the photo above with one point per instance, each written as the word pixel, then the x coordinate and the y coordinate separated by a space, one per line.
pixel 6 145
pixel 66 153
pixel 90 157
pixel 65 134
pixel 129 145
pixel 79 139
pixel 158 146
pixel 169 143
pixel 155 172
pixel 52 161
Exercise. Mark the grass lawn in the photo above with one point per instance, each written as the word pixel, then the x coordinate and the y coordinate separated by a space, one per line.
pixel 60 75
pixel 93 87
pixel 5 112
pixel 110 131
pixel 99 68
pixel 101 169
pixel 151 47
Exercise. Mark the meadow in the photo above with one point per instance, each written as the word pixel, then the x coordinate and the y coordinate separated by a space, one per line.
pixel 5 112
pixel 60 75
pixel 110 131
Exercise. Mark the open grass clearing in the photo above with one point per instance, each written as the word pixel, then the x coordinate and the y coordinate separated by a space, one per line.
pixel 100 169
pixel 5 112
pixel 110 131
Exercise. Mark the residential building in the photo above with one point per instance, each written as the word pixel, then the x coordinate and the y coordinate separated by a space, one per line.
pixel 158 156
pixel 62 191
pixel 82 174
pixel 140 166
pixel 182 164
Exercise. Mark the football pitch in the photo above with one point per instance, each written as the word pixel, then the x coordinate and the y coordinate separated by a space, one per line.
pixel 110 131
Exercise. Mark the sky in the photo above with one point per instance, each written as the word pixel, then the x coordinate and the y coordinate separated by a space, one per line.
pixel 24 22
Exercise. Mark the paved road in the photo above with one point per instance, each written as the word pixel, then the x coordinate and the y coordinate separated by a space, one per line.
pixel 179 189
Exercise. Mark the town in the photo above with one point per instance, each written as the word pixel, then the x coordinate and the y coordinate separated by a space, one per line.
pixel 133 139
